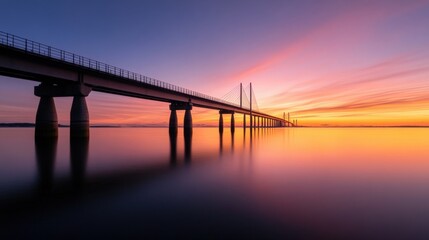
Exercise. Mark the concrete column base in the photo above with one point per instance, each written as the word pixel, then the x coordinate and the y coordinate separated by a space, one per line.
pixel 244 121
pixel 221 123
pixel 172 126
pixel 232 123
pixel 79 118
pixel 187 122
pixel 46 118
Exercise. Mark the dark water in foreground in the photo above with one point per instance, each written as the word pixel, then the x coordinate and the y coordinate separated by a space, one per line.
pixel 308 183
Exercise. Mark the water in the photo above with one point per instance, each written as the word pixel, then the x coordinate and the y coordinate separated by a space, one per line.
pixel 307 183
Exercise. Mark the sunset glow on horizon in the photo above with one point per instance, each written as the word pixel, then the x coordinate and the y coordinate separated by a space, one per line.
pixel 340 63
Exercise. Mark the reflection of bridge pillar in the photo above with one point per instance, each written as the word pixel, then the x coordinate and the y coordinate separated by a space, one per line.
pixel 46 118
pixel 46 151
pixel 173 147
pixel 220 144
pixel 220 122
pixel 232 123
pixel 79 148
pixel 188 144
pixel 79 118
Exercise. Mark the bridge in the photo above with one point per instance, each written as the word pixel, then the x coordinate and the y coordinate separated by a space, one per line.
pixel 65 74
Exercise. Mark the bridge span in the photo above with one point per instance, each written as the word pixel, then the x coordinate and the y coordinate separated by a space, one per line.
pixel 65 74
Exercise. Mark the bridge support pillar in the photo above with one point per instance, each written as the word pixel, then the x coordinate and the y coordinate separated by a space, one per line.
pixel 79 118
pixel 172 126
pixel 244 121
pixel 46 118
pixel 232 123
pixel 220 122
pixel 187 122
pixel 221 112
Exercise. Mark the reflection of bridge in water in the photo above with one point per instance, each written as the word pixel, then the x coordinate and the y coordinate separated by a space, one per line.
pixel 65 74
pixel 48 187
pixel 54 194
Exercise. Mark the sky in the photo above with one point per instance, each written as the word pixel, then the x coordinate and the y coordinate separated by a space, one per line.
pixel 327 63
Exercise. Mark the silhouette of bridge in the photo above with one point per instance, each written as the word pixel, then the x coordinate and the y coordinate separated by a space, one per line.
pixel 65 74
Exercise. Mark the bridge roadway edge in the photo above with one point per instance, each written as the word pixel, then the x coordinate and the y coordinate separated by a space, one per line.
pixel 20 64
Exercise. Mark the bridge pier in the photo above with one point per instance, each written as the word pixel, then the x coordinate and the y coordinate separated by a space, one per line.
pixel 232 123
pixel 46 118
pixel 220 122
pixel 221 112
pixel 79 118
pixel 244 121
pixel 172 126
pixel 251 121
pixel 187 121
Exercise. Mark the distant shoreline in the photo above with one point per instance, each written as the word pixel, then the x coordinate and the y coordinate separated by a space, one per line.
pixel 32 125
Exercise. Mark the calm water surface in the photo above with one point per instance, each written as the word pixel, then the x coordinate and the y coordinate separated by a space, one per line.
pixel 306 183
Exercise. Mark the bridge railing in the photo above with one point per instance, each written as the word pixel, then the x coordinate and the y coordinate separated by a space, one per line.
pixel 40 49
